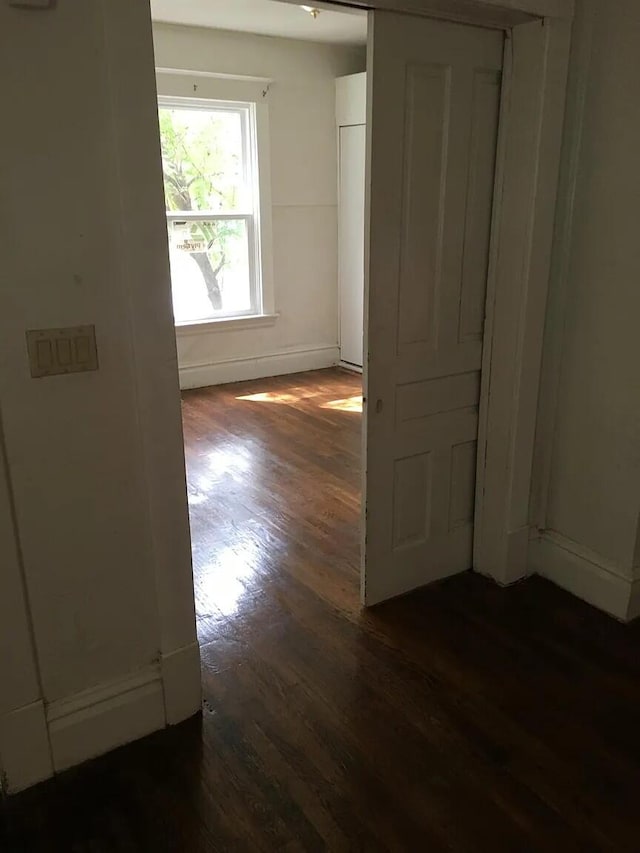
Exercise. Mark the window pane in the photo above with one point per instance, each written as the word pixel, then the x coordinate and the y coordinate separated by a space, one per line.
pixel 202 160
pixel 209 269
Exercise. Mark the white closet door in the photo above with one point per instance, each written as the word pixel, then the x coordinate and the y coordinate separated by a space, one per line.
pixel 435 97
pixel 351 253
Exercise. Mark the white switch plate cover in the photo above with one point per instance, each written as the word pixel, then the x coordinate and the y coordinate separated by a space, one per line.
pixel 56 351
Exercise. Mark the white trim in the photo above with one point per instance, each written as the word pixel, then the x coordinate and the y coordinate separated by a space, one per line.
pixel 225 324
pixel 213 75
pixel 60 710
pixel 177 86
pixel 24 747
pixel 259 367
pixel 517 556
pixel 522 233
pixel 102 718
pixel 578 90
pixel 351 111
pixel 351 99
pixel 585 574
pixel 144 276
pixel 181 679
pixel 38 741
pixel 634 601
pixel 487 350
pixel 527 169
pixel 490 12
pixel 206 216
pixel 245 110
pixel 179 83
pixel 352 367
pixel 262 155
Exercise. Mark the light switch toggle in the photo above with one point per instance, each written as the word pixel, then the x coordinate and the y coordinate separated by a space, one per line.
pixel 56 351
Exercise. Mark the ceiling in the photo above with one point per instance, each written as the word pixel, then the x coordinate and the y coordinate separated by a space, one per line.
pixel 265 17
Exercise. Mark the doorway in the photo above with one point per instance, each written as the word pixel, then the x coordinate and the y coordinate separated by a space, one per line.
pixel 439 151
pixel 250 143
pixel 527 157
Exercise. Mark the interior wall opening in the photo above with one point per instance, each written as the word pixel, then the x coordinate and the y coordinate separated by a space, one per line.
pixel 262 125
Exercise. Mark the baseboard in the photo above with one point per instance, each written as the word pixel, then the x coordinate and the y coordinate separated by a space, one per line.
pixel 182 684
pixel 585 574
pixel 508 564
pixel 352 367
pixel 25 755
pixel 275 364
pixel 95 721
pixel 517 553
pixel 37 741
pixel 634 602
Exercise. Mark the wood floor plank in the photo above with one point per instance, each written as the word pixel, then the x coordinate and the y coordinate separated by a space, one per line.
pixel 463 717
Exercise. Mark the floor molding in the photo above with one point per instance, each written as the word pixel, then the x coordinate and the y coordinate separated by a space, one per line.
pixel 352 367
pixel 258 367
pixel 25 754
pixel 634 603
pixel 37 741
pixel 95 721
pixel 585 574
pixel 182 683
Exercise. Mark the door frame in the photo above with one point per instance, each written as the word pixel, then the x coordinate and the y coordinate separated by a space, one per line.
pixel 537 44
pixel 529 149
pixel 530 139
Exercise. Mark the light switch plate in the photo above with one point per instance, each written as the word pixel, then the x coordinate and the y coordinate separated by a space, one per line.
pixel 56 351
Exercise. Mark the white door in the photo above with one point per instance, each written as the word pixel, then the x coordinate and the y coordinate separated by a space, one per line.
pixel 351 242
pixel 434 94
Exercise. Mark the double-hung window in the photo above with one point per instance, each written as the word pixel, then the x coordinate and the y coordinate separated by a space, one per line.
pixel 209 159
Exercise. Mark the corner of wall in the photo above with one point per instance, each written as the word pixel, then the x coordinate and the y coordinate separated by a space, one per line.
pixel 556 308
pixel 585 574
pixel 25 755
pixel 182 683
pixel 43 729
pixel 104 717
pixel 633 611
pixel 37 741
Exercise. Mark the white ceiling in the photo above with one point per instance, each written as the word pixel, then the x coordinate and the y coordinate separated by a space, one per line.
pixel 266 17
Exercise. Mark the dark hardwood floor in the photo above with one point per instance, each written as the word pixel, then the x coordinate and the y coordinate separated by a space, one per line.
pixel 464 717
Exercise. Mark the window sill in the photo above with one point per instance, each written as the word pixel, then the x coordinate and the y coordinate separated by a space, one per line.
pixel 226 324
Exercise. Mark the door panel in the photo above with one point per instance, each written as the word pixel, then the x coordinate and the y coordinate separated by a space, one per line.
pixel 434 95
pixel 351 253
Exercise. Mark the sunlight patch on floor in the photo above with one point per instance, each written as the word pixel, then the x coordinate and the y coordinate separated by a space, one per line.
pixel 227 580
pixel 269 397
pixel 197 498
pixel 230 458
pixel 351 404
pixel 294 395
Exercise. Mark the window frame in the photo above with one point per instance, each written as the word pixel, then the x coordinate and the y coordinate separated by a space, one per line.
pixel 252 217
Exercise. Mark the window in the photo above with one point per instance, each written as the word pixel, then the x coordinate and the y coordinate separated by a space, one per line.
pixel 211 192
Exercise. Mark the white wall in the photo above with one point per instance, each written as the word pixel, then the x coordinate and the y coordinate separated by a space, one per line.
pixel 588 498
pixel 301 101
pixel 95 463
pixel 22 714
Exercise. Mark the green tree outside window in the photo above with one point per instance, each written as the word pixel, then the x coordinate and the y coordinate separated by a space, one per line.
pixel 203 171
